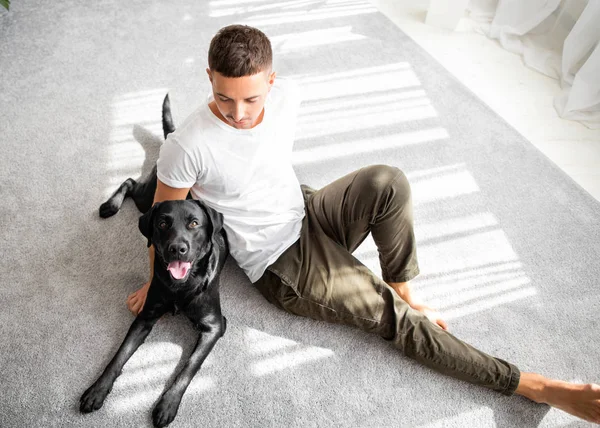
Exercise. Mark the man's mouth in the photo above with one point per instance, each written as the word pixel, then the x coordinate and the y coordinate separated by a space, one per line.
pixel 179 269
pixel 241 122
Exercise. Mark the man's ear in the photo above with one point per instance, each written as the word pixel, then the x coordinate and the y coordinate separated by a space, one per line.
pixel 146 223
pixel 271 79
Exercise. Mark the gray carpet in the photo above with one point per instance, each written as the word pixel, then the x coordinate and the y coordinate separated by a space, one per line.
pixel 508 244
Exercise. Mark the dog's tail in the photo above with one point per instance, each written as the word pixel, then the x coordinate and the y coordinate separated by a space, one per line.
pixel 167 119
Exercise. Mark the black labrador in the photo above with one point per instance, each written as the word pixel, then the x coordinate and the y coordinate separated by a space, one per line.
pixel 191 248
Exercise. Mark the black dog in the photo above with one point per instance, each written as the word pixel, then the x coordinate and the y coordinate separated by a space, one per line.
pixel 191 248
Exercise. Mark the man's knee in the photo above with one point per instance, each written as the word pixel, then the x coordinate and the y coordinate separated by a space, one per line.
pixel 384 178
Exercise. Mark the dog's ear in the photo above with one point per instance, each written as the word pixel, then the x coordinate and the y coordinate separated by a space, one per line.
pixel 216 220
pixel 146 223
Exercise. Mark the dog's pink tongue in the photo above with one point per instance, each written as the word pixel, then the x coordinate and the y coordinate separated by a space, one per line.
pixel 179 269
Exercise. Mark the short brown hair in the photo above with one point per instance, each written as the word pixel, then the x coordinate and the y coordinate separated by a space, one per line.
pixel 240 50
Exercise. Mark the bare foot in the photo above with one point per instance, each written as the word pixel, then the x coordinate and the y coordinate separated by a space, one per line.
pixel 579 400
pixel 582 401
pixel 136 300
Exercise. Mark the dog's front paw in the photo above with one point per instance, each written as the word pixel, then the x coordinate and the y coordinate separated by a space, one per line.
pixel 166 410
pixel 93 398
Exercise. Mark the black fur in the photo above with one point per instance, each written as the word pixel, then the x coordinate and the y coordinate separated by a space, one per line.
pixel 169 226
pixel 187 231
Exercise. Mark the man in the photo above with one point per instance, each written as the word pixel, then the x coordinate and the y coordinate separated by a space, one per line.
pixel 295 244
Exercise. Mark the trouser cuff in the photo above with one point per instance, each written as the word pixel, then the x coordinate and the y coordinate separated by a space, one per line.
pixel 403 277
pixel 515 377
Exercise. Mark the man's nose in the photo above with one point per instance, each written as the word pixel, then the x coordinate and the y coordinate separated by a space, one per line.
pixel 238 112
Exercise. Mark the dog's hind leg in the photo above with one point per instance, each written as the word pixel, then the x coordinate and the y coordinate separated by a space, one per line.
pixel 142 193
pixel 113 204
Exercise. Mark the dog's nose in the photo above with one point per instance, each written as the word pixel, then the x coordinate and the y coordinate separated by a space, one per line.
pixel 179 248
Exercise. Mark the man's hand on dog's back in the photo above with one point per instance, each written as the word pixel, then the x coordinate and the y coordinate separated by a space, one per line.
pixel 136 300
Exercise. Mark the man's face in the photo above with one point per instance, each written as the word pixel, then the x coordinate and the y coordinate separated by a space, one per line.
pixel 240 100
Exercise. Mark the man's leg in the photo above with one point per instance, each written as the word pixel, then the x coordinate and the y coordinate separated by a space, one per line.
pixel 331 285
pixel 378 199
pixel 375 199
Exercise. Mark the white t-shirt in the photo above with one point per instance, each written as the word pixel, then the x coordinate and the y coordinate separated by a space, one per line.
pixel 245 174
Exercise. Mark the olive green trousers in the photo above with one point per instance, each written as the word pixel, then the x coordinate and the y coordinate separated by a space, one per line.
pixel 318 277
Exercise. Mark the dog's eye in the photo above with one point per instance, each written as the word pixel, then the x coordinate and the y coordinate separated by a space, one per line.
pixel 194 224
pixel 162 225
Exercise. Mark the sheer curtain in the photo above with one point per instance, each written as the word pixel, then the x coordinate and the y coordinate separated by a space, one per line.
pixel 559 38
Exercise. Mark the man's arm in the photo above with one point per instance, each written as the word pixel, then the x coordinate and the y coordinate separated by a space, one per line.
pixel 166 193
pixel 136 300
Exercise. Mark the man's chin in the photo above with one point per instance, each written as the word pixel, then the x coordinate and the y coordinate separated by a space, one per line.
pixel 245 124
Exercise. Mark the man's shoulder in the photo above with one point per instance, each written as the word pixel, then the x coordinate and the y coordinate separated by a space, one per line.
pixel 193 128
pixel 286 82
pixel 287 86
pixel 285 92
pixel 193 122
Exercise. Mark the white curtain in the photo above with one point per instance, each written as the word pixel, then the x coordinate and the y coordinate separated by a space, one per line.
pixel 559 38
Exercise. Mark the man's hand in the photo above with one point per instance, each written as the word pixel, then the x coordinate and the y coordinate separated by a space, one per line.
pixel 433 315
pixel 404 291
pixel 136 300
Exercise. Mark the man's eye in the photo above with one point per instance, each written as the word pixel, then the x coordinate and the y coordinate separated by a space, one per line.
pixel 162 225
pixel 194 224
pixel 224 100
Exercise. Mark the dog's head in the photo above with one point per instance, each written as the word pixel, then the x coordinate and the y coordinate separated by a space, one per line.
pixel 183 233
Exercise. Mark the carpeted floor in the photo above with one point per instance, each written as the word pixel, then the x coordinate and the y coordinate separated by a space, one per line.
pixel 508 244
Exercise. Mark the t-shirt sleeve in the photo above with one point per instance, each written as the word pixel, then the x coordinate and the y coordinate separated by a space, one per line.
pixel 175 166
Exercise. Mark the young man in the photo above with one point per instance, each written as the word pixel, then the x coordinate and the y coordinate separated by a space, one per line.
pixel 295 244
